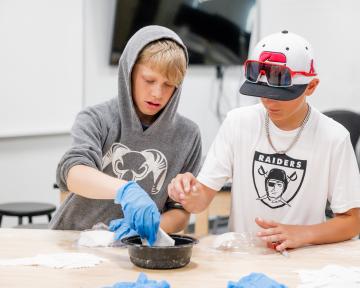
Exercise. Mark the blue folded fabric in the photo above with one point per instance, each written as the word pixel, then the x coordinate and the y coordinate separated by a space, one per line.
pixel 255 280
pixel 142 282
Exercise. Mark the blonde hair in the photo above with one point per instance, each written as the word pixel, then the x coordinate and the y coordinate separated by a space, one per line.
pixel 166 57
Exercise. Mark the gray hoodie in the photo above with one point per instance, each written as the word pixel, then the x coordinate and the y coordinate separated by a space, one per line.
pixel 110 138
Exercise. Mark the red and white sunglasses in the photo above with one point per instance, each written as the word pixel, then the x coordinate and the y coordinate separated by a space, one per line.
pixel 277 75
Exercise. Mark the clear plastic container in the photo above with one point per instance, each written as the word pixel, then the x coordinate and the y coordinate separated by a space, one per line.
pixel 247 243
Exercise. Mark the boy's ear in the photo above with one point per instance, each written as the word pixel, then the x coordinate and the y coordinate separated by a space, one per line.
pixel 312 86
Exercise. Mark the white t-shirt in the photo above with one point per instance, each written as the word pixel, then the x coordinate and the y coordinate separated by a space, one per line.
pixel 357 151
pixel 291 188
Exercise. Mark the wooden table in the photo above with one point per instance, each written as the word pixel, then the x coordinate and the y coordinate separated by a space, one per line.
pixel 208 267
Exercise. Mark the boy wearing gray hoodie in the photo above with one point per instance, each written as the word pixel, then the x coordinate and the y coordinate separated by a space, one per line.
pixel 126 150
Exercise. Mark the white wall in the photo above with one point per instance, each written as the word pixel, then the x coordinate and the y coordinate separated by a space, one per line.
pixel 100 77
pixel 41 66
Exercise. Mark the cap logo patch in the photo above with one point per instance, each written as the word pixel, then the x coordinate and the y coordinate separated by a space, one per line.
pixel 272 57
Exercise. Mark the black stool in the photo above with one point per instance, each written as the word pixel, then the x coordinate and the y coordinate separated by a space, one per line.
pixel 26 209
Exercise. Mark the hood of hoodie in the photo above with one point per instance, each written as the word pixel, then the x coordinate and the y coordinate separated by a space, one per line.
pixel 129 118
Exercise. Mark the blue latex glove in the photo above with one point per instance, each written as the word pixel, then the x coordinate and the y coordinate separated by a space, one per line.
pixel 142 282
pixel 255 280
pixel 121 229
pixel 140 211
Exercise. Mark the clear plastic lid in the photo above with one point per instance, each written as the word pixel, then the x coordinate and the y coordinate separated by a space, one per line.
pixel 247 243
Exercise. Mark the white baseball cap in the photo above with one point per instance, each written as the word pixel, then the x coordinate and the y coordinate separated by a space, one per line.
pixel 287 49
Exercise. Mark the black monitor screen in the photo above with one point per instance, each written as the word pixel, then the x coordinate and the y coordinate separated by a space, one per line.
pixel 216 32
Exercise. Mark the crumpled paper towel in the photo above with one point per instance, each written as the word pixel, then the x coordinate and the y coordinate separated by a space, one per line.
pixel 330 276
pixel 96 238
pixel 162 239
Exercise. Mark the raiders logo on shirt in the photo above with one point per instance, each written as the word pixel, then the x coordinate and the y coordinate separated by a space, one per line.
pixel 277 178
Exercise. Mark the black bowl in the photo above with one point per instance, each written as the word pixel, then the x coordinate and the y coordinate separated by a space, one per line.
pixel 159 257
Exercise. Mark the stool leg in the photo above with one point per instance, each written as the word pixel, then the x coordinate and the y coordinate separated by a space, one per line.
pixel 20 220
pixel 49 217
pixel 0 219
pixel 30 219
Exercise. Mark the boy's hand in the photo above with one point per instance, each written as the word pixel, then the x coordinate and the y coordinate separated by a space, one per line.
pixel 121 229
pixel 288 236
pixel 190 193
pixel 182 188
pixel 140 211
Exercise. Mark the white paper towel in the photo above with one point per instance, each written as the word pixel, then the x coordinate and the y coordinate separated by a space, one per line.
pixel 330 276
pixel 96 238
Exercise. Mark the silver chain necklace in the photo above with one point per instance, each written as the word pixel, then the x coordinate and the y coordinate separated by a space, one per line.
pixel 296 137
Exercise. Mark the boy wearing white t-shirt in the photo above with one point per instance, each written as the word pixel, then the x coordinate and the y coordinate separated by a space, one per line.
pixel 284 158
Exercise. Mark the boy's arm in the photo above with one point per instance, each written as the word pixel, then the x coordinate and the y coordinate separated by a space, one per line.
pixel 92 183
pixel 190 193
pixel 174 220
pixel 342 227
pixel 88 135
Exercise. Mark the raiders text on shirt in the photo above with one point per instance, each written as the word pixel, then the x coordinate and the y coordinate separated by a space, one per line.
pixel 279 159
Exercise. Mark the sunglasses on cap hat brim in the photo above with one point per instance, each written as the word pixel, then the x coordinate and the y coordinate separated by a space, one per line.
pixel 276 75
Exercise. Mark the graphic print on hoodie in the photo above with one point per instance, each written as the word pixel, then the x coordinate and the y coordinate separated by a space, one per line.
pixel 109 137
pixel 137 166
